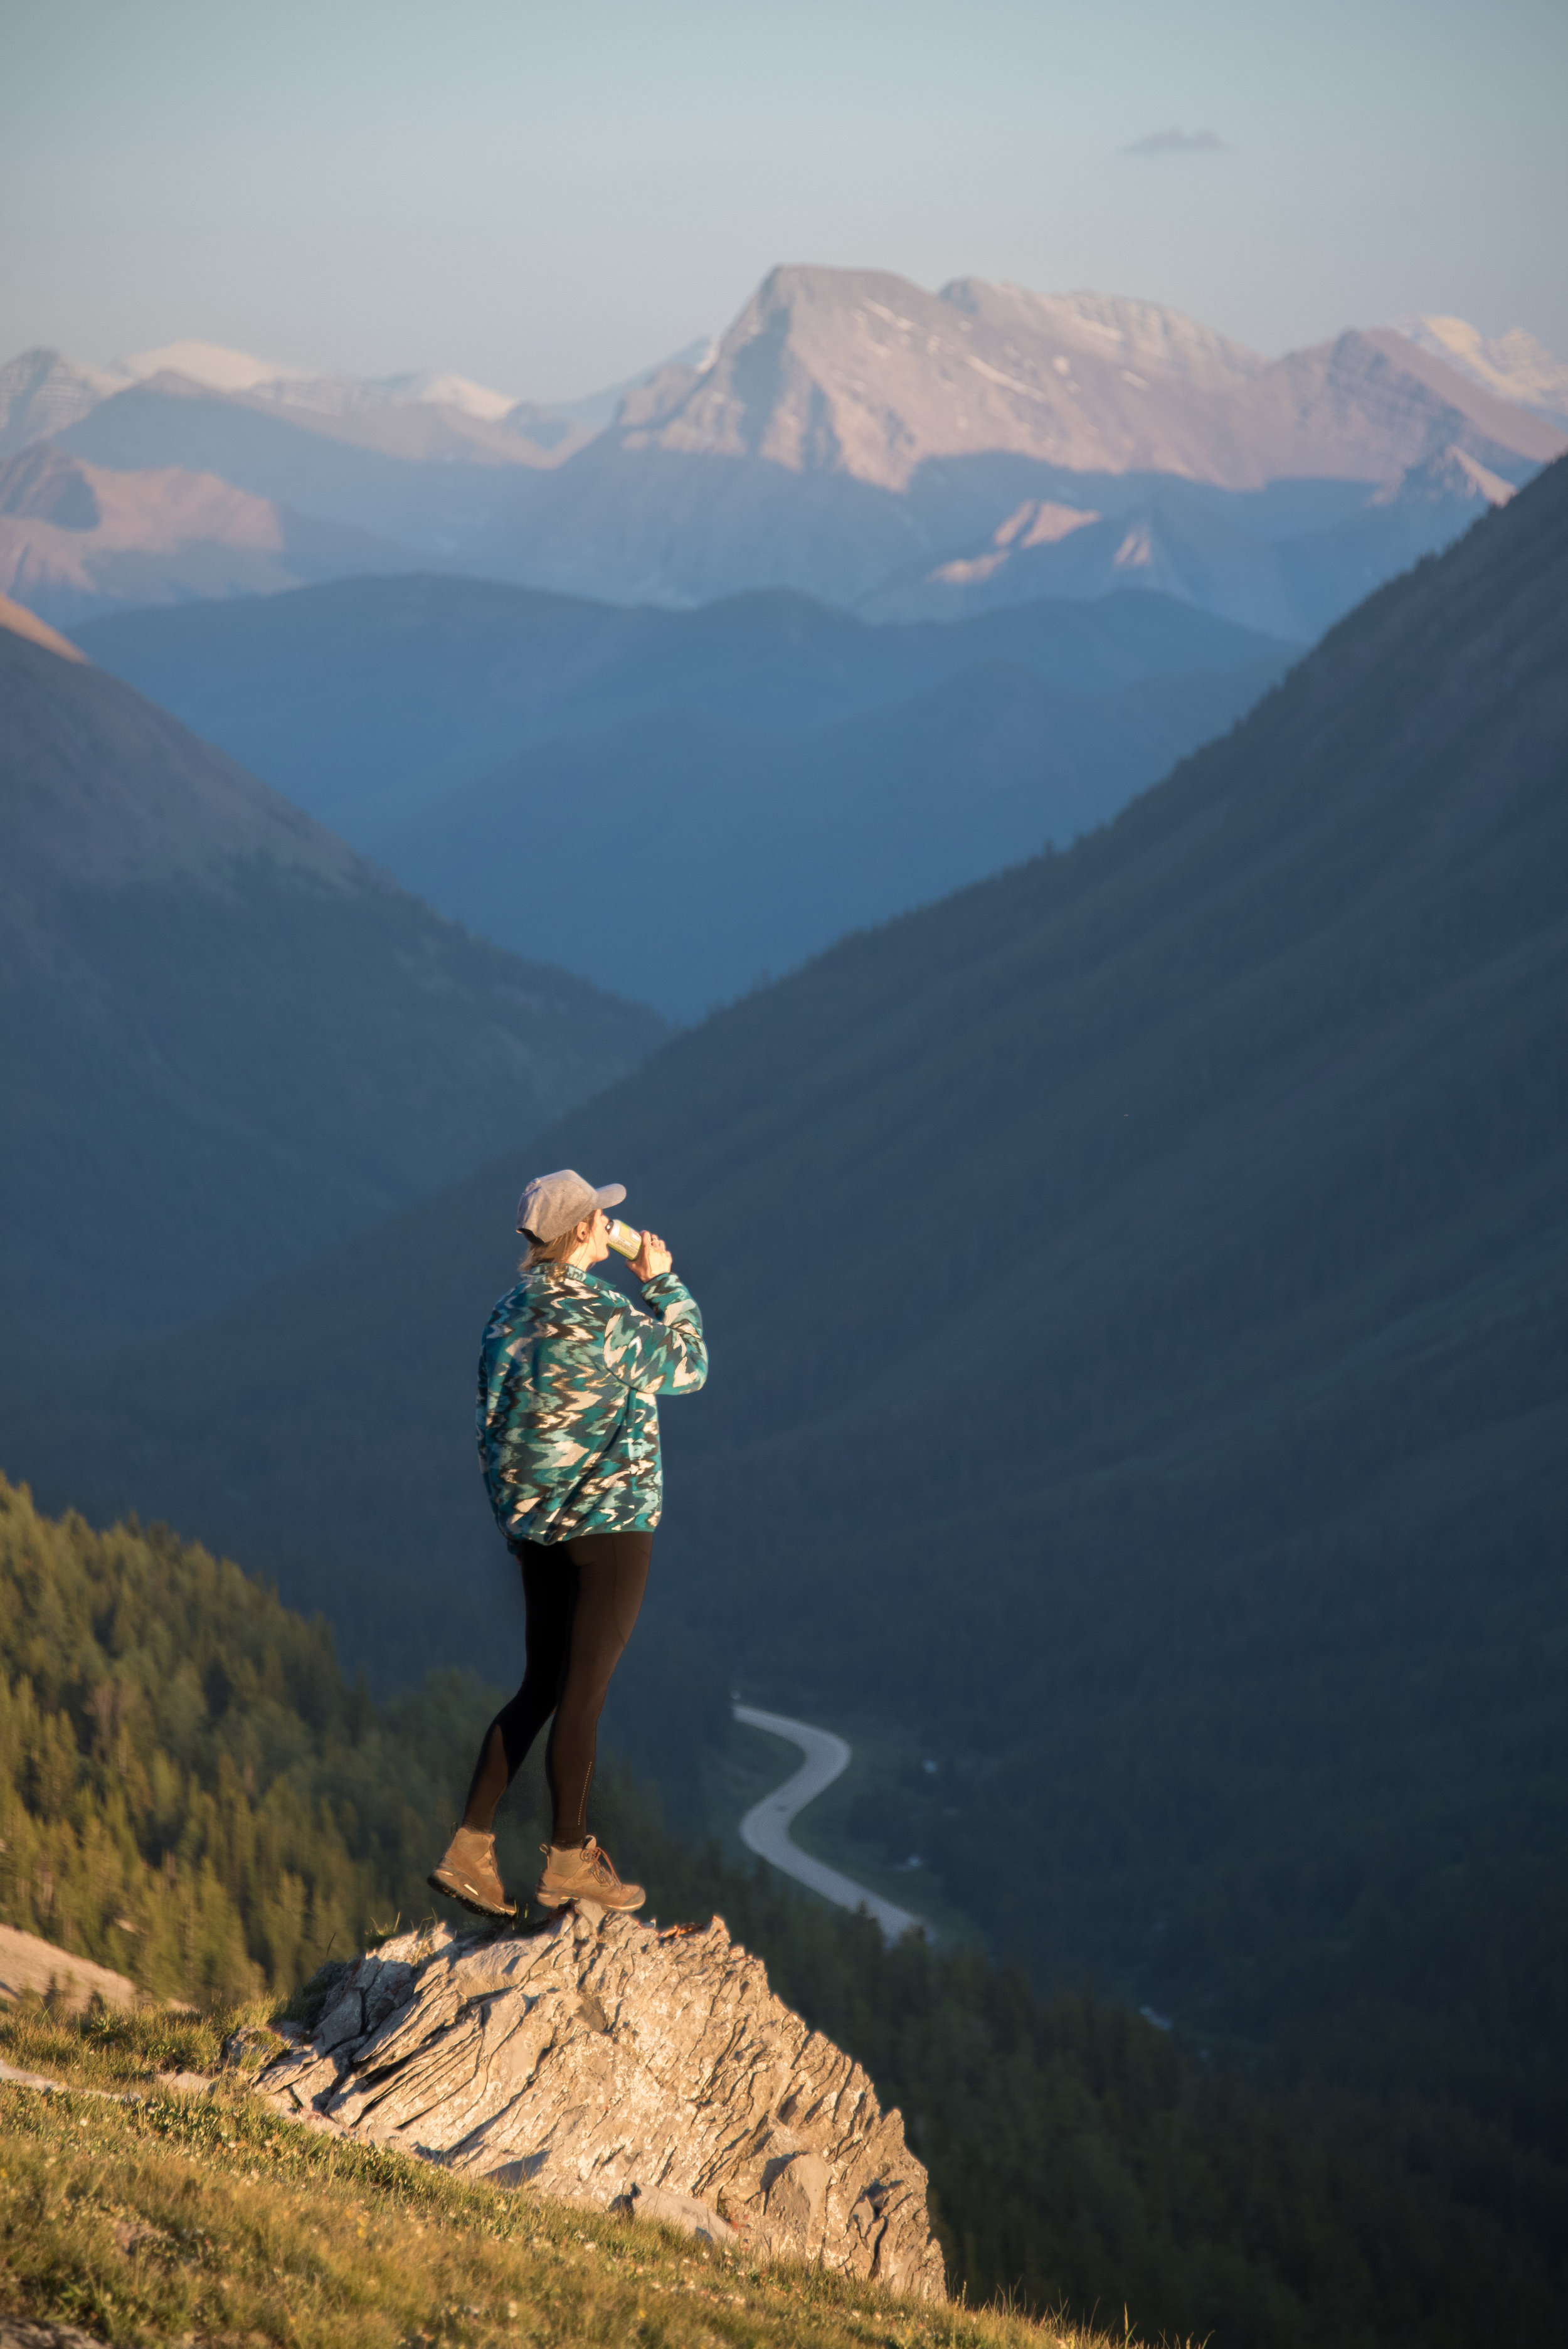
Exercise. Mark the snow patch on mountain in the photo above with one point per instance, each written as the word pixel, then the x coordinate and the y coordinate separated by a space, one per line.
pixel 1513 364
pixel 210 364
pixel 349 394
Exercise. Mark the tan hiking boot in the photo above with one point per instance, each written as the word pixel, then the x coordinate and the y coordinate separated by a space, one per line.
pixel 588 1874
pixel 469 1873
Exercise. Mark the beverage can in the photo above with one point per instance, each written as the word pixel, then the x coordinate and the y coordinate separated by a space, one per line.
pixel 623 1238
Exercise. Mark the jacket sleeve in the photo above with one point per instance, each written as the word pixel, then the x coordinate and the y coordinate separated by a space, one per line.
pixel 664 1357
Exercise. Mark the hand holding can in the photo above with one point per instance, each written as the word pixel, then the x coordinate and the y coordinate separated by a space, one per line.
pixel 653 1257
pixel 647 1251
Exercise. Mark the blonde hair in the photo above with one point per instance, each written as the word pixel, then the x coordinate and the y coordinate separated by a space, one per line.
pixel 554 1253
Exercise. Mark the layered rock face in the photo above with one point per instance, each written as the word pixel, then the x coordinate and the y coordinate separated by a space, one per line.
pixel 613 2065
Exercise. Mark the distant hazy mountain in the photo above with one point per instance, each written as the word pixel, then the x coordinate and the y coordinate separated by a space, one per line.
pixel 426 478
pixel 345 395
pixel 887 450
pixel 224 1039
pixel 444 725
pixel 1514 364
pixel 860 372
pixel 723 856
pixel 41 393
pixel 858 436
pixel 217 368
pixel 599 408
pixel 211 365
pixel 1237 558
pixel 77 540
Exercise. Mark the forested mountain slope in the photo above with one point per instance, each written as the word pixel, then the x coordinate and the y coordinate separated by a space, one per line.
pixel 226 1040
pixel 188 1789
pixel 1138 1297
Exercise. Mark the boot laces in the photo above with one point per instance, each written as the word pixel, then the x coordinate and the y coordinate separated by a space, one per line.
pixel 599 1862
pixel 595 1860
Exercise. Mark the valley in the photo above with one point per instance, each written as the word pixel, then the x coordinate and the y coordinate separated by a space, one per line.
pixel 1030 836
pixel 452 730
pixel 766 1828
pixel 1213 1175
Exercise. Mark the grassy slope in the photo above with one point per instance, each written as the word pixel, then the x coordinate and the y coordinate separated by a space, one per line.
pixel 203 2218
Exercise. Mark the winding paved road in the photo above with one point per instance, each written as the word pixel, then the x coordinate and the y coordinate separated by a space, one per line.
pixel 765 1829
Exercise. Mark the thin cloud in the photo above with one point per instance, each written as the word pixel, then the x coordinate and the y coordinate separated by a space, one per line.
pixel 1178 143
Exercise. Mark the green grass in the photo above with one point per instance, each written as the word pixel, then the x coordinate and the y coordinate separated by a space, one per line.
pixel 173 2218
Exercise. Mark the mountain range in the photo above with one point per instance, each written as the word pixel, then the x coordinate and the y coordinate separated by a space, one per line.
pixel 745 782
pixel 227 1040
pixel 868 435
pixel 860 371
pixel 891 451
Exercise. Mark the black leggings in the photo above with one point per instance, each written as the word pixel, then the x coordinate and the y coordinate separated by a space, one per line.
pixel 582 1600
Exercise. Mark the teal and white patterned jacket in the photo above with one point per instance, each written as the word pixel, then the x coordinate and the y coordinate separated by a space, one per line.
pixel 570 1376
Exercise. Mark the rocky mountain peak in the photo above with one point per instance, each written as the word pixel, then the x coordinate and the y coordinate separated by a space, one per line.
pixel 608 2064
pixel 858 372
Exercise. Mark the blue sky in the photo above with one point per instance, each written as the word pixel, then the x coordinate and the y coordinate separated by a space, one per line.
pixel 550 197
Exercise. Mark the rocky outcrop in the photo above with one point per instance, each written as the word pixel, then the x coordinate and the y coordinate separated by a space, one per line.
pixel 613 2065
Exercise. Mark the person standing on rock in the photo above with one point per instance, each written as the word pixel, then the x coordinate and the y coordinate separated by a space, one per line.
pixel 570 1376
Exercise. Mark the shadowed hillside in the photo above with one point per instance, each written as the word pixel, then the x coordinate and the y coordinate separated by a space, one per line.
pixel 226 1040
pixel 369 701
pixel 756 778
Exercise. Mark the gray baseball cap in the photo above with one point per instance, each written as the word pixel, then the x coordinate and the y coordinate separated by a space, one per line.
pixel 553 1202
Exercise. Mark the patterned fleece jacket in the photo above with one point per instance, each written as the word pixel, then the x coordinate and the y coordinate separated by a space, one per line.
pixel 570 1376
